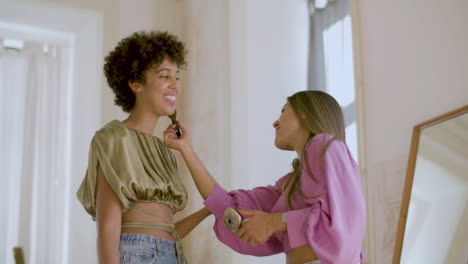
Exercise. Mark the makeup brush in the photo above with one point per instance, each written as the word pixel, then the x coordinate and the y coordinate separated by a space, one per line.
pixel 173 118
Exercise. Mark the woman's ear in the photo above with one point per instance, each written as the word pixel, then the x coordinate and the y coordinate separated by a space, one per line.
pixel 135 86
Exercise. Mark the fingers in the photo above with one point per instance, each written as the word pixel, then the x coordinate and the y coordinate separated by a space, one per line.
pixel 169 137
pixel 246 237
pixel 252 241
pixel 182 128
pixel 179 131
pixel 247 212
pixel 240 232
pixel 181 125
pixel 170 133
pixel 171 130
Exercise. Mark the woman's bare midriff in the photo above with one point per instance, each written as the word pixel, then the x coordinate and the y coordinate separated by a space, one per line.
pixel 300 255
pixel 134 215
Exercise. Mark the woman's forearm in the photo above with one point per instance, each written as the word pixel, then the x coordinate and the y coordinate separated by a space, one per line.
pixel 186 225
pixel 201 176
pixel 108 247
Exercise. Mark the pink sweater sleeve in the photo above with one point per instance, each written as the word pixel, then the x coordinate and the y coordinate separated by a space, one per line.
pixel 261 198
pixel 335 221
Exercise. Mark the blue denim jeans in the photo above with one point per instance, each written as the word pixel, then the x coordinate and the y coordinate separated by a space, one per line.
pixel 143 249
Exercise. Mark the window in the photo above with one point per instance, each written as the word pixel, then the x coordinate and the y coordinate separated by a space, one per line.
pixel 331 59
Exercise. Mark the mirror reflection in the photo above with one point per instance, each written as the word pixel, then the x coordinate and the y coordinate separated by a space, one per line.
pixel 437 222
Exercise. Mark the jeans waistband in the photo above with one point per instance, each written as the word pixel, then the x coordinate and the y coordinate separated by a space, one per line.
pixel 146 240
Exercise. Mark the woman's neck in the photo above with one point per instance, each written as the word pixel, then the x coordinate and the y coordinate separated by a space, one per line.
pixel 302 142
pixel 144 122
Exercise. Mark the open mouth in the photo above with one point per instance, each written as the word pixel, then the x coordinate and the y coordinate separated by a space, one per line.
pixel 170 98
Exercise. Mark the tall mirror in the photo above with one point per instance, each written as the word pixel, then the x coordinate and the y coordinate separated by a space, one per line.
pixel 433 224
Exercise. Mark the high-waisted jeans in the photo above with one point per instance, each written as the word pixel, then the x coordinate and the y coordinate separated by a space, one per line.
pixel 144 249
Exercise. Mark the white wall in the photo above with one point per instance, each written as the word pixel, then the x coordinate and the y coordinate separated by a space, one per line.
pixel 414 66
pixel 277 48
pixel 249 56
pixel 276 61
pixel 204 111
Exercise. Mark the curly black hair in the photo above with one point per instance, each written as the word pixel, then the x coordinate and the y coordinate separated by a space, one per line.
pixel 134 55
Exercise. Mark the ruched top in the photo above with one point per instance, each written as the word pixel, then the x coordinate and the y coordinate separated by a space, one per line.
pixel 137 166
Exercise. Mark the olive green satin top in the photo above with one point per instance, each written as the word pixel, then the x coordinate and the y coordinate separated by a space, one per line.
pixel 137 166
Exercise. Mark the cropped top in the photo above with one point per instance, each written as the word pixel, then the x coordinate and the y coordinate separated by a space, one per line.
pixel 137 166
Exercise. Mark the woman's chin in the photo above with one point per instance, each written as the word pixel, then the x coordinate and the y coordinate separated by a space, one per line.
pixel 167 111
pixel 283 146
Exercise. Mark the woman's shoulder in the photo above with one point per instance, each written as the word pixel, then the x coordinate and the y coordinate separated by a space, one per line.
pixel 113 128
pixel 112 131
pixel 326 147
pixel 325 156
pixel 324 142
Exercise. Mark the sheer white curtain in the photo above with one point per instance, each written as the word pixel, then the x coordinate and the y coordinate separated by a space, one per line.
pixel 331 67
pixel 33 152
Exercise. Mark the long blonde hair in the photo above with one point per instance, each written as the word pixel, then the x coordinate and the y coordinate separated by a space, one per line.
pixel 318 112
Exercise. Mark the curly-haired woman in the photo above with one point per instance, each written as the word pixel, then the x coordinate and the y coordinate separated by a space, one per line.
pixel 132 188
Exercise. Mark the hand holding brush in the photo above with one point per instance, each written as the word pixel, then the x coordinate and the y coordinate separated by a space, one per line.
pixel 173 118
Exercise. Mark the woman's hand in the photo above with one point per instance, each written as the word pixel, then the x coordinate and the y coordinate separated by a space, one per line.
pixel 259 227
pixel 172 141
pixel 201 176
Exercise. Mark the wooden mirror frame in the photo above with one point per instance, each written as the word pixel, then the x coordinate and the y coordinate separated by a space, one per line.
pixel 410 175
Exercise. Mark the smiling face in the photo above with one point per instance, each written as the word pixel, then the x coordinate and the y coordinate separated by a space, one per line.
pixel 158 93
pixel 290 134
